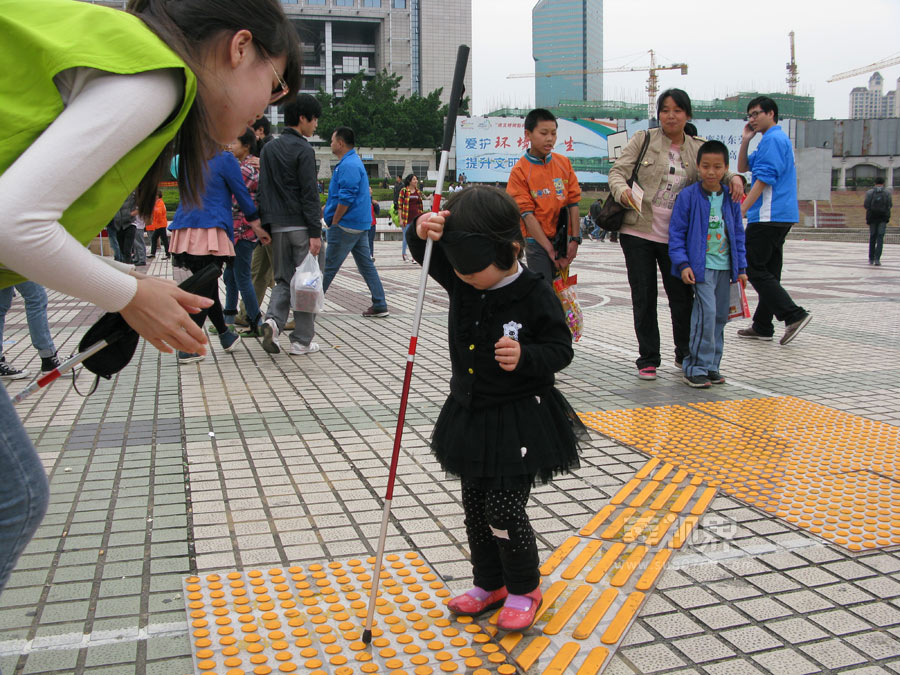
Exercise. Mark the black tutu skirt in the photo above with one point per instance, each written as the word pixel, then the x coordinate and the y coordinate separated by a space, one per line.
pixel 512 445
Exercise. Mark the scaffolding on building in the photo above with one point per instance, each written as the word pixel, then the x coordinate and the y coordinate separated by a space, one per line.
pixel 732 107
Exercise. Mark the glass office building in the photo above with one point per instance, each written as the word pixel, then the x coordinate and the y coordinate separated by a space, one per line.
pixel 567 35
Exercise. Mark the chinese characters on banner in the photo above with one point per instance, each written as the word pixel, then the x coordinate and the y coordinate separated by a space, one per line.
pixel 487 148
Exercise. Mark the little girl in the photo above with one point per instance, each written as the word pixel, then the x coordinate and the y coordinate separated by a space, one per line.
pixel 504 425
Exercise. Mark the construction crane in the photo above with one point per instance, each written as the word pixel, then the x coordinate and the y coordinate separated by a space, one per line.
pixel 872 67
pixel 792 79
pixel 652 80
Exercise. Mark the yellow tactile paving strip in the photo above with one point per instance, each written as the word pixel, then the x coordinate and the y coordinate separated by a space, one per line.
pixel 596 581
pixel 309 620
pixel 830 472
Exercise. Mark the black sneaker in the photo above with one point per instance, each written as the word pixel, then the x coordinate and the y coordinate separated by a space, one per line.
pixel 48 364
pixel 696 381
pixel 715 377
pixel 375 313
pixel 8 372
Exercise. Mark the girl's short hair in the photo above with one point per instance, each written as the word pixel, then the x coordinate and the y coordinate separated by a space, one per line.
pixel 191 28
pixel 248 139
pixel 679 96
pixel 492 213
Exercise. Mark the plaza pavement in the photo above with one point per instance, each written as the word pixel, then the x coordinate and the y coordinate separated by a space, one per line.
pixel 247 460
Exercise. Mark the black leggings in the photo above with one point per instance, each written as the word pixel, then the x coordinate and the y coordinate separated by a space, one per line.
pixel 195 263
pixel 501 541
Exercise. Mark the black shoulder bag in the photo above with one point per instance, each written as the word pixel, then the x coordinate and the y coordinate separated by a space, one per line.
pixel 612 214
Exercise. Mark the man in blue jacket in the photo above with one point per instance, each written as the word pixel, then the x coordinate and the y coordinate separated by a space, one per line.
pixel 771 209
pixel 348 214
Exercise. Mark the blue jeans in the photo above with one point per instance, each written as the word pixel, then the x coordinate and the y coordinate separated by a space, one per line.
pixel 876 240
pixel 24 490
pixel 342 241
pixel 238 278
pixel 708 319
pixel 372 241
pixel 35 298
pixel 405 227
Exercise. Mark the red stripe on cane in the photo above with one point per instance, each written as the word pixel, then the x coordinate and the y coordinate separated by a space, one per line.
pixel 413 341
pixel 436 203
pixel 49 377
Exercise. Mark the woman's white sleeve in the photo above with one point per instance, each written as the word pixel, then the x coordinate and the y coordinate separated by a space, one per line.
pixel 103 120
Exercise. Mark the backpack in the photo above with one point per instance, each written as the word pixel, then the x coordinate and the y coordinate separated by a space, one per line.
pixel 879 204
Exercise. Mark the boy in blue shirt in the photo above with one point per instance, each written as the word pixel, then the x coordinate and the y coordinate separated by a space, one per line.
pixel 706 245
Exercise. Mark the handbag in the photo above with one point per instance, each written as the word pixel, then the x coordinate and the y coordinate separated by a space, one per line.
pixel 564 285
pixel 611 215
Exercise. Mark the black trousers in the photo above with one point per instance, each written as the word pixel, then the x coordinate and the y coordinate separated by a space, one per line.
pixel 195 263
pixel 876 240
pixel 501 541
pixel 765 256
pixel 642 258
pixel 155 236
pixel 125 237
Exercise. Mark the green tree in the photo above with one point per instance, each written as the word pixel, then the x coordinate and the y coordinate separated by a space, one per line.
pixel 380 117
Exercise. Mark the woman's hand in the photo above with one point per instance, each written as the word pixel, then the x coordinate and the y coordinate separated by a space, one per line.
pixel 507 352
pixel 263 236
pixel 737 188
pixel 627 199
pixel 687 276
pixel 430 225
pixel 159 313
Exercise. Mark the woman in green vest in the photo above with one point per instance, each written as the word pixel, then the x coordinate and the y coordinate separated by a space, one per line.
pixel 94 102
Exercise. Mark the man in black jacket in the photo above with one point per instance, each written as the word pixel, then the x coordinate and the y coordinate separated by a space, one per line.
pixel 289 206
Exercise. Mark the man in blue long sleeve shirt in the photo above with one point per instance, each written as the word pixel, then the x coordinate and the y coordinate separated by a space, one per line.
pixel 348 214
pixel 771 209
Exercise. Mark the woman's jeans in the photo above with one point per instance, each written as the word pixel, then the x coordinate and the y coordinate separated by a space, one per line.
pixel 24 490
pixel 239 279
pixel 35 298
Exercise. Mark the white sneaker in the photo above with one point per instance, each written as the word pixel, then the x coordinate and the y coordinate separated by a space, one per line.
pixel 270 336
pixel 298 349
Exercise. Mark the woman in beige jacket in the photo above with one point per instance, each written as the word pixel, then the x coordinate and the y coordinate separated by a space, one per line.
pixel 668 166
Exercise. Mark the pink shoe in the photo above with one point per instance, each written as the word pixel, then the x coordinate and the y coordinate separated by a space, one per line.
pixel 477 601
pixel 519 610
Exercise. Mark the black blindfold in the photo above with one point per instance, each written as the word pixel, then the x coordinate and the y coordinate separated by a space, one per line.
pixel 468 252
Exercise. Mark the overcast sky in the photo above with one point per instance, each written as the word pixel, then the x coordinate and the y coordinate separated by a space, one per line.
pixel 728 46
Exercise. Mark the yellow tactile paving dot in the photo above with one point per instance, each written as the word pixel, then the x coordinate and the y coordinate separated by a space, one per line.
pixel 310 619
pixel 830 472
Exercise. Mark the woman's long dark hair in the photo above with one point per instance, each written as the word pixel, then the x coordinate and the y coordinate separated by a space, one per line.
pixel 190 28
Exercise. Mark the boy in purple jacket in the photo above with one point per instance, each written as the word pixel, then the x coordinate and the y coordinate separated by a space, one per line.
pixel 706 245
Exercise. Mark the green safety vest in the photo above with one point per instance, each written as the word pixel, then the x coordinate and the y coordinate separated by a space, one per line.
pixel 42 38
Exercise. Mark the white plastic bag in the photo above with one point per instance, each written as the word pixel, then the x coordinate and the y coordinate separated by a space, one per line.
pixel 307 294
